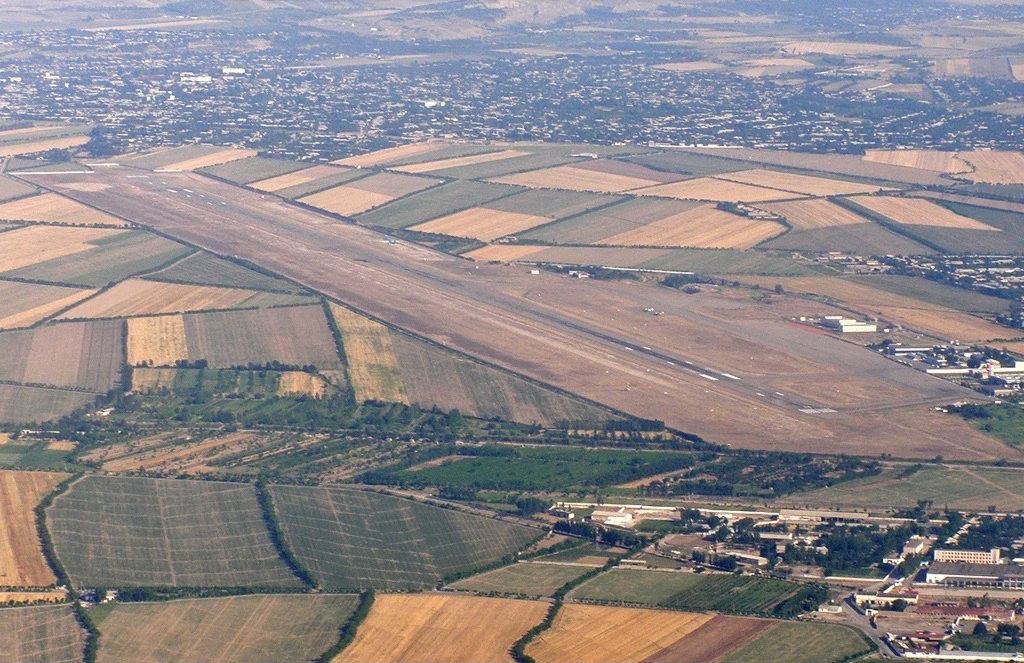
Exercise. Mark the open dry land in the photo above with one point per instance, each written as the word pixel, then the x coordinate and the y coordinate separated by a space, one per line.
pixel 802 184
pixel 550 339
pixel 136 297
pixel 482 223
pixel 24 304
pixel 352 539
pixel 237 629
pixel 52 208
pixel 86 355
pixel 814 214
pixel 526 579
pixel 41 634
pixel 600 634
pixel 709 188
pixel 8 149
pixel 838 48
pixel 995 167
pixel 705 227
pixel 21 556
pixel 126 531
pixel 10 188
pixel 504 252
pixel 442 629
pixel 918 212
pixel 578 178
pixel 935 160
pixel 686 67
pixel 372 365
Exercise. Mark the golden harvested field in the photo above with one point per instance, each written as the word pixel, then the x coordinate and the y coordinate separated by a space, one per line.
pixel 814 213
pixel 24 304
pixel 372 364
pixel 141 297
pixel 458 162
pixel 915 314
pixel 574 178
pixel 416 628
pixel 390 154
pixel 33 597
pixel 298 177
pixel 598 634
pixel 25 131
pixel 697 65
pixel 709 188
pixel 31 147
pixel 300 383
pixel 812 186
pixel 915 211
pixel 934 160
pixel 212 159
pixel 1018 71
pixel 705 227
pixel 152 379
pixel 482 223
pixel 35 244
pixel 995 167
pixel 346 200
pixel 504 252
pixel 159 340
pixel 837 48
pixel 21 556
pixel 54 208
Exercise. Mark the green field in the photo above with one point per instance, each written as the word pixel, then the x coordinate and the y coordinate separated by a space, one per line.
pixel 40 634
pixel 967 488
pixel 32 454
pixel 433 203
pixel 524 579
pixel 587 553
pixel 205 269
pixel 1005 422
pixel 795 642
pixel 353 539
pixel 131 532
pixel 538 468
pixel 687 591
pixel 321 183
pixel 243 629
pixel 253 169
pixel 115 258
pixel 200 385
pixel 936 293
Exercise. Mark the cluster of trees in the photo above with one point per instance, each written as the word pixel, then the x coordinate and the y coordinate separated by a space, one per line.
pixel 993 533
pixel 852 547
pixel 607 536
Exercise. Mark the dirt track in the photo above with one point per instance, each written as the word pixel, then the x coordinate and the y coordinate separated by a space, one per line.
pixel 469 307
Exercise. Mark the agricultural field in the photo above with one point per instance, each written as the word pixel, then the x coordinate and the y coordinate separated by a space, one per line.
pixel 687 591
pixel 366 193
pixel 594 555
pixel 187 157
pixel 253 169
pixel 815 214
pixel 994 167
pixel 504 252
pixel 801 184
pixel 577 177
pixel 21 557
pixel 413 628
pixel 236 629
pixel 458 162
pixel 205 384
pixel 24 304
pixel 916 211
pixel 435 202
pixel 526 579
pixel 12 148
pixel 83 256
pixel 136 297
pixel 705 227
pixel 132 532
pixel 543 469
pixel 392 155
pixel 41 634
pixel 373 368
pixel 552 203
pixel 967 488
pixel 293 336
pixel 85 355
pixel 866 239
pixel 10 189
pixel 797 642
pixel 603 634
pixel 482 223
pixel 933 292
pixel 303 176
pixel 53 208
pixel 21 404
pixel 716 190
pixel 935 160
pixel 434 376
pixel 157 340
pixel 352 539
pixel 687 67
pixel 332 179
pixel 204 269
pixel 594 226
